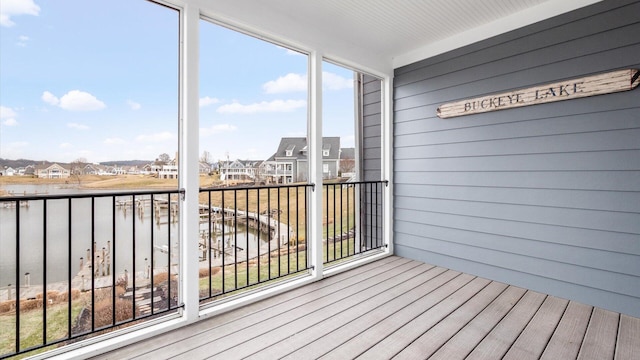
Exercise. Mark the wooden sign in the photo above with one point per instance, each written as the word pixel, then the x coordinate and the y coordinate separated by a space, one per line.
pixel 606 83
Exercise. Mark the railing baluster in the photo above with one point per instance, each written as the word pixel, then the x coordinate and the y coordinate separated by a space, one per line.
pixel 133 265
pixel 306 227
pixel 69 272
pixel 150 274
pixel 269 230
pixel 377 237
pixel 17 275
pixel 297 228
pixel 259 225
pixel 288 230
pixel 113 260
pixel 93 265
pixel 222 241
pixel 168 251
pixel 246 214
pixel 326 188
pixel 278 234
pixel 210 252
pixel 235 238
pixel 44 272
pixel 348 214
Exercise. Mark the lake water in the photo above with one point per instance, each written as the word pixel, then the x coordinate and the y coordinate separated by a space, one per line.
pixel 143 224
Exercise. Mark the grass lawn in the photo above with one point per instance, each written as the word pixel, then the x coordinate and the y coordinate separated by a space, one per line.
pixel 31 327
pixel 288 265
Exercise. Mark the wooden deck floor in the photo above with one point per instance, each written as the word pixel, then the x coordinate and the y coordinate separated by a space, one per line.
pixel 402 309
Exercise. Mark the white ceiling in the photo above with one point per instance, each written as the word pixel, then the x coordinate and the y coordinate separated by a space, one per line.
pixel 379 35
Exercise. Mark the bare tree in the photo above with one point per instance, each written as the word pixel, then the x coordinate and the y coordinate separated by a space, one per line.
pixel 347 165
pixel 164 158
pixel 77 167
pixel 206 157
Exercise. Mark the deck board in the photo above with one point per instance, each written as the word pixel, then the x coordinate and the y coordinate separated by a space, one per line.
pixel 600 339
pixel 324 342
pixel 534 338
pixel 365 314
pixel 405 309
pixel 461 344
pixel 253 338
pixel 395 342
pixel 628 345
pixel 431 340
pixel 244 330
pixel 566 340
pixel 373 335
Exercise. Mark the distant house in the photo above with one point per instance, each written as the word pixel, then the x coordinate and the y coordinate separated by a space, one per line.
pixel 168 172
pixel 90 169
pixel 204 168
pixel 153 168
pixel 29 170
pixel 131 170
pixel 8 171
pixel 52 171
pixel 240 170
pixel 290 164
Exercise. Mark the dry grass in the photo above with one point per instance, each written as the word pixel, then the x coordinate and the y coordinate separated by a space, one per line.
pixel 104 182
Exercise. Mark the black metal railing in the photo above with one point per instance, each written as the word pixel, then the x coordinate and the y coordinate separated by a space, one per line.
pixel 126 245
pixel 84 264
pixel 352 219
pixel 251 236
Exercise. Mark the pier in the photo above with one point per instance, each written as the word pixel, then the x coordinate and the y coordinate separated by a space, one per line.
pixel 279 234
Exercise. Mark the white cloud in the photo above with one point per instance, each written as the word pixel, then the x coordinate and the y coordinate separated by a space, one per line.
pixel 262 107
pixel 113 141
pixel 7 112
pixel 157 137
pixel 50 99
pixel 9 8
pixel 8 115
pixel 76 100
pixel 13 150
pixel 65 145
pixel 22 40
pixel 288 83
pixel 77 126
pixel 331 81
pixel 134 105
pixel 217 129
pixel 206 101
pixel 299 82
pixel 10 122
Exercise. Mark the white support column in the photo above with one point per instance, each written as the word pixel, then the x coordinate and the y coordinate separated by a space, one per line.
pixel 387 158
pixel 314 137
pixel 188 165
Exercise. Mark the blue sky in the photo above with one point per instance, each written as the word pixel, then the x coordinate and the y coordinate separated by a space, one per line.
pixel 99 80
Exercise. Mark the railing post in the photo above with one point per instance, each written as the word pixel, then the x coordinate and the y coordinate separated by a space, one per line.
pixel 315 162
pixel 387 160
pixel 188 164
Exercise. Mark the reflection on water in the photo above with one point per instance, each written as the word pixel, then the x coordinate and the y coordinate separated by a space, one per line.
pixel 71 227
pixel 111 224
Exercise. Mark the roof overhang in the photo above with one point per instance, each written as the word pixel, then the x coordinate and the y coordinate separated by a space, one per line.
pixel 381 35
